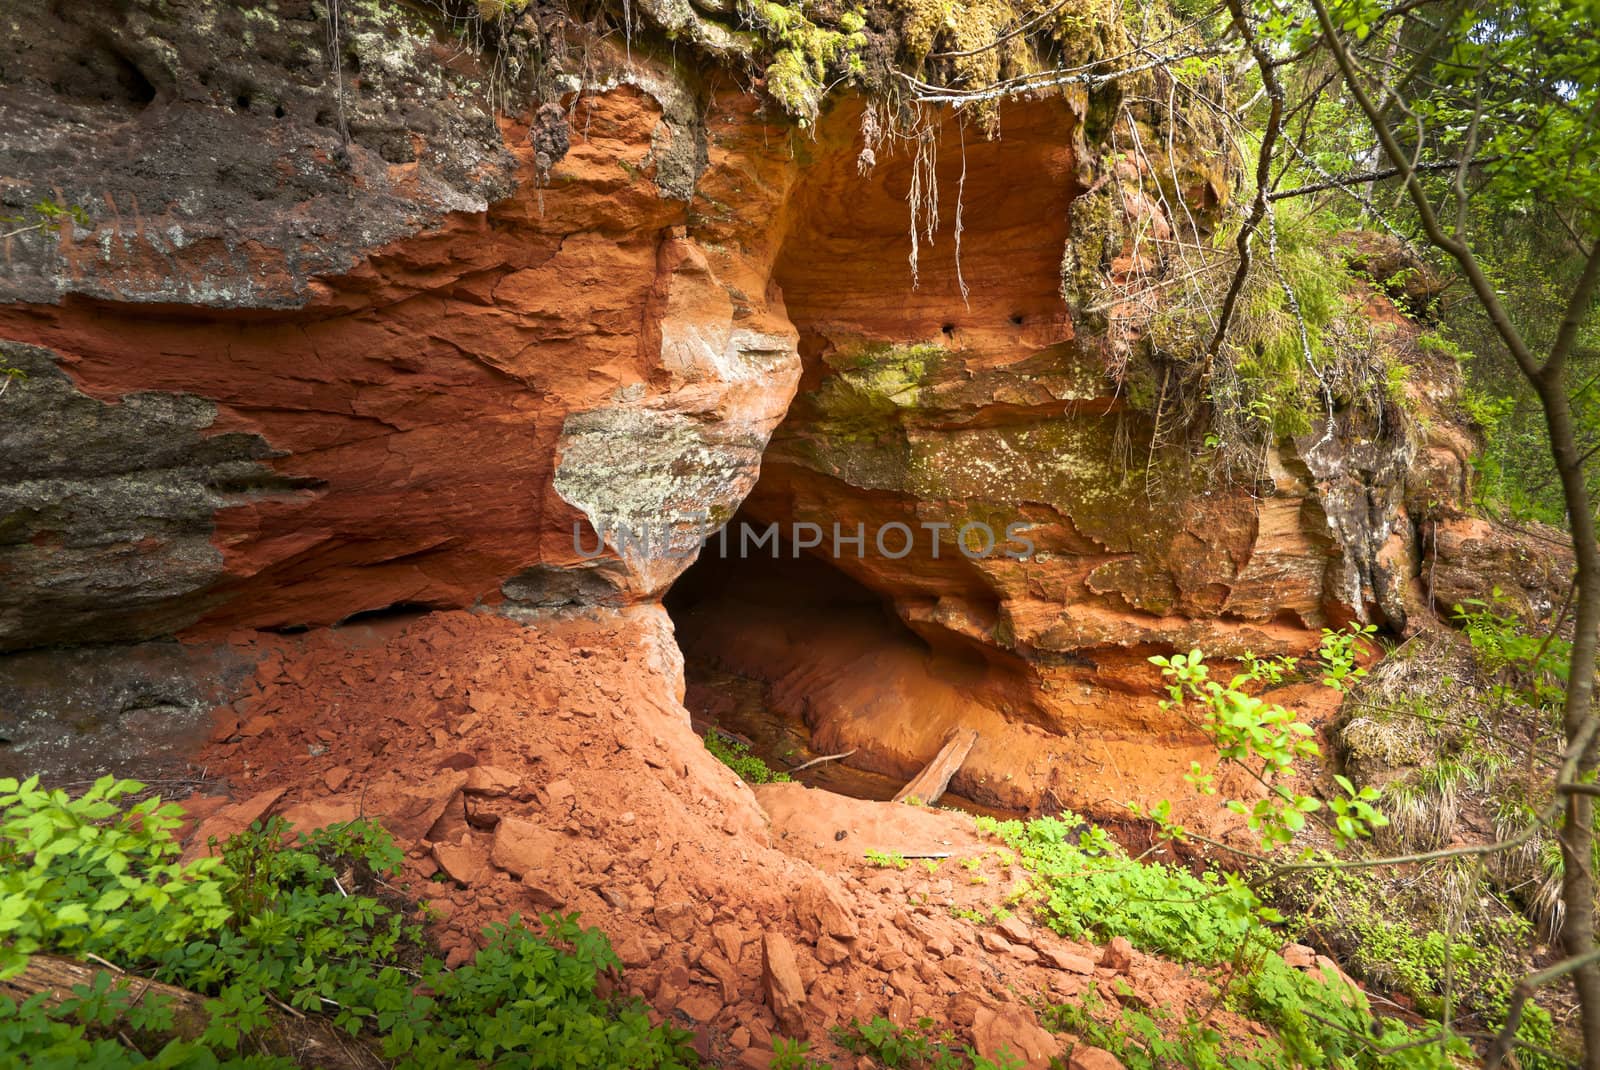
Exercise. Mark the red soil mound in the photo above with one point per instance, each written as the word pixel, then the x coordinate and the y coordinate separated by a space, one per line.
pixel 549 766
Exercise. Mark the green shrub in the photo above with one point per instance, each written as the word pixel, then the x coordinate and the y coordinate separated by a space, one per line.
pixel 1091 888
pixel 737 756
pixel 276 924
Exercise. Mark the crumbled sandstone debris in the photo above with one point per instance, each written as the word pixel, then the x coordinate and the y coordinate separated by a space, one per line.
pixel 786 992
pixel 754 931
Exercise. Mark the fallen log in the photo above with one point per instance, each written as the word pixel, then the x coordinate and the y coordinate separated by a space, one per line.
pixel 928 785
pixel 308 1039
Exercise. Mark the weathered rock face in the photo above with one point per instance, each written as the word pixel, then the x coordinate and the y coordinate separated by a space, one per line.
pixel 950 420
pixel 316 339
pixel 218 156
pixel 1525 569
pixel 446 414
pixel 108 507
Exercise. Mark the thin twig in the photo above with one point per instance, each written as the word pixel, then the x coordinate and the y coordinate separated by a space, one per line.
pixel 1269 140
pixel 1340 181
pixel 824 758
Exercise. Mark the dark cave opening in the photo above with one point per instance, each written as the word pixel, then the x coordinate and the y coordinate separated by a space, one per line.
pixel 755 626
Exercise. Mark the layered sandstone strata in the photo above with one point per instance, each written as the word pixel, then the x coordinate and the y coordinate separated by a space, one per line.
pixel 300 341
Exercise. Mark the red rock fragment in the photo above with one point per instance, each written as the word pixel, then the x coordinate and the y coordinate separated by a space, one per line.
pixel 780 976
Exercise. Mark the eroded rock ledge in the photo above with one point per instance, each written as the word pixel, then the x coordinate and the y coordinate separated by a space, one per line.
pixel 319 345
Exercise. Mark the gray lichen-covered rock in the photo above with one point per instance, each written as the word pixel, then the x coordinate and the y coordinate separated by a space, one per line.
pixel 225 154
pixel 106 510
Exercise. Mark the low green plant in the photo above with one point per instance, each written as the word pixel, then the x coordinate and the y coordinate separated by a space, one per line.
pixel 1320 1021
pixel 1316 1021
pixel 789 1053
pixel 88 876
pixel 1089 888
pixel 916 1047
pixel 1100 893
pixel 737 756
pixel 887 859
pixel 1526 667
pixel 1426 942
pixel 279 922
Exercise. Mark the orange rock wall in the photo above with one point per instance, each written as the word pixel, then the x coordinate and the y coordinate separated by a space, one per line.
pixel 663 279
pixel 420 403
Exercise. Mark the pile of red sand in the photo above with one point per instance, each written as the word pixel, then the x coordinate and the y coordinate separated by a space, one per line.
pixel 550 766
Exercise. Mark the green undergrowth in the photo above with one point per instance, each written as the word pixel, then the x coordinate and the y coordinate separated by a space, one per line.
pixel 1404 941
pixel 1315 1023
pixel 919 1046
pixel 279 934
pixel 736 756
pixel 1447 725
pixel 1286 363
pixel 1085 886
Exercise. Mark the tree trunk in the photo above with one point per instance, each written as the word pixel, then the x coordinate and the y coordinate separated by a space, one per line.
pixel 1577 834
pixel 310 1040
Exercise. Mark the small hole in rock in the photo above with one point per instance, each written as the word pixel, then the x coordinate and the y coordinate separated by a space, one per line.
pixel 1016 319
pixel 135 88
pixel 949 330
pixel 242 102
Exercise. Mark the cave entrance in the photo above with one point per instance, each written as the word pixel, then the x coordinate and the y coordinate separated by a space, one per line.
pixel 757 628
pixel 741 618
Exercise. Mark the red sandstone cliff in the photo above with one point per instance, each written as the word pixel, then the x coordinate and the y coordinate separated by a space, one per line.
pixel 323 346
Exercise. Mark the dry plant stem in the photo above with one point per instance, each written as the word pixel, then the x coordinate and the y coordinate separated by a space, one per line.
pixel 336 59
pixel 1340 181
pixel 1555 628
pixel 1269 141
pixel 825 758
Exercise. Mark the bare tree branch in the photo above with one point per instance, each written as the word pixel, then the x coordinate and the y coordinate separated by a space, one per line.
pixel 1340 181
pixel 1269 140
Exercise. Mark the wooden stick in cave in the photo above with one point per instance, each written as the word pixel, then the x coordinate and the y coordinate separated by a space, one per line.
pixel 928 785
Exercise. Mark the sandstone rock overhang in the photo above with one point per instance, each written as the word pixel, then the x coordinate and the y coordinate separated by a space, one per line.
pixel 308 344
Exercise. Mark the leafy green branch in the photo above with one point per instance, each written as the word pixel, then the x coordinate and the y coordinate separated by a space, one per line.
pixel 1268 740
pixel 46 216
